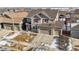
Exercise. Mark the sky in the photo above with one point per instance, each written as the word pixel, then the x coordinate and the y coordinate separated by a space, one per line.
pixel 39 3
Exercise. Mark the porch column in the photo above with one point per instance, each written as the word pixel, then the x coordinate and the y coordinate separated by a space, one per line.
pixel 41 20
pixel 53 31
pixel 38 30
pixel 0 26
pixel 20 26
pixel 26 26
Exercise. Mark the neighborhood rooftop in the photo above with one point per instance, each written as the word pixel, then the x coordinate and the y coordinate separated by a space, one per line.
pixel 15 17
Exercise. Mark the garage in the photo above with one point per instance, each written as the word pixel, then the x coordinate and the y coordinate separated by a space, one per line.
pixel 75 31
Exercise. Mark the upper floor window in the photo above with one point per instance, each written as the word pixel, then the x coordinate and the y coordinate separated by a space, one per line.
pixel 36 20
pixel 45 20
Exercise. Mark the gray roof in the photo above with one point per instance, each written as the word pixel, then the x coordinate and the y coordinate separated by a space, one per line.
pixel 49 12
pixel 76 27
pixel 43 15
pixel 36 17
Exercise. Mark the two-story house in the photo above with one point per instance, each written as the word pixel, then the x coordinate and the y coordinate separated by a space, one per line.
pixel 40 16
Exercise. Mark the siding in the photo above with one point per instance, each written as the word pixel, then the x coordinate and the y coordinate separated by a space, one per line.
pixel 75 33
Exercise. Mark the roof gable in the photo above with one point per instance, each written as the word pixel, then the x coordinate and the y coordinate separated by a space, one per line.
pixel 48 12
pixel 43 15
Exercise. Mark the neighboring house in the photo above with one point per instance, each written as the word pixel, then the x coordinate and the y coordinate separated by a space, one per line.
pixel 40 21
pixel 65 19
pixel 67 25
pixel 72 19
pixel 76 16
pixel 41 16
pixel 75 31
pixel 5 23
pixel 12 20
pixel 54 28
pixel 47 21
pixel 59 23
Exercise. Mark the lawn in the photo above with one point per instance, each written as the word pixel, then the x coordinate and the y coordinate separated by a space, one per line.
pixel 1 39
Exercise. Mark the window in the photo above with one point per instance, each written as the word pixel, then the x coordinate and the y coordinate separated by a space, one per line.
pixel 36 20
pixel 45 20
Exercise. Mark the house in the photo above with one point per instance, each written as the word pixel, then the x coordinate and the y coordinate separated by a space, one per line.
pixel 67 18
pixel 75 31
pixel 5 22
pixel 11 20
pixel 67 25
pixel 72 19
pixel 76 16
pixel 59 23
pixel 54 28
pixel 41 16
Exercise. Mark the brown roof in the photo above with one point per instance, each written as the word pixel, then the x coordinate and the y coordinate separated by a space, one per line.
pixel 5 20
pixel 17 14
pixel 16 17
pixel 1 19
